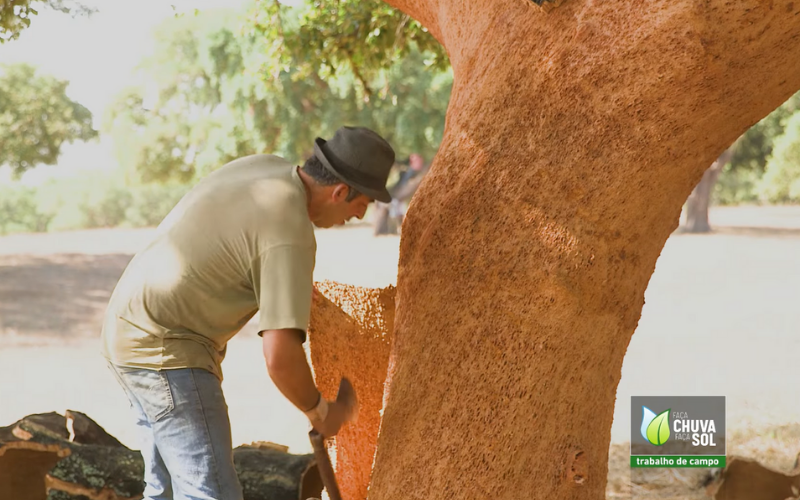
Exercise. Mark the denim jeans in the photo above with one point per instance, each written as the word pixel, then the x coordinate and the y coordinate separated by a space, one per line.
pixel 185 433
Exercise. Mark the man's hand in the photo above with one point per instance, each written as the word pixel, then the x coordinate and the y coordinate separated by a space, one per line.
pixel 289 370
pixel 330 420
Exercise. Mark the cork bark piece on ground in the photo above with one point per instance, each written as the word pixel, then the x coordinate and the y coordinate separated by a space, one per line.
pixel 746 479
pixel 47 455
pixel 55 457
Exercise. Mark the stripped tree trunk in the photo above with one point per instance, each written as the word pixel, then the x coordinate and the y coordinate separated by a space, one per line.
pixel 572 140
pixel 698 202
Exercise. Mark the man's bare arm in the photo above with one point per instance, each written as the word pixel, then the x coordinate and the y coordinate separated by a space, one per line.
pixel 289 370
pixel 288 367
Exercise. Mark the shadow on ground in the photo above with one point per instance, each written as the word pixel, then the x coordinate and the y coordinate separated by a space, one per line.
pixel 753 232
pixel 62 295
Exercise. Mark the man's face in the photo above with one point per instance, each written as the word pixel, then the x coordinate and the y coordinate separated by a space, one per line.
pixel 416 162
pixel 337 210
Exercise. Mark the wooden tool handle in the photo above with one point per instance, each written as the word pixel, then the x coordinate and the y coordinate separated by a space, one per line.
pixel 324 465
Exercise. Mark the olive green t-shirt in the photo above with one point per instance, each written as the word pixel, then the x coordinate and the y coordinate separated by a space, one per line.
pixel 239 242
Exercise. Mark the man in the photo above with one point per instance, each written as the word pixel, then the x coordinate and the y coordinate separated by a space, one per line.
pixel 410 180
pixel 242 240
pixel 389 216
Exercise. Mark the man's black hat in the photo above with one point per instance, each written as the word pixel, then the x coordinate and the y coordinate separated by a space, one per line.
pixel 360 158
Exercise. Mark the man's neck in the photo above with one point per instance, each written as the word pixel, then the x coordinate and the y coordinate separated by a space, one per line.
pixel 309 185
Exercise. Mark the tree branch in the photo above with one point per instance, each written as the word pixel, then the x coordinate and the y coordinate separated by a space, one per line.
pixel 360 76
pixel 424 11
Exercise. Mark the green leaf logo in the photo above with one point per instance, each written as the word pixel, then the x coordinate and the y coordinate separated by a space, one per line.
pixel 658 430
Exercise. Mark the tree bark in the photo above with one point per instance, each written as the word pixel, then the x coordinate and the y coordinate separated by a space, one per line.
pixel 50 457
pixel 572 140
pixel 349 335
pixel 698 202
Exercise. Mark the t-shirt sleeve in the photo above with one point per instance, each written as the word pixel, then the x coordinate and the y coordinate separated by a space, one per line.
pixel 283 283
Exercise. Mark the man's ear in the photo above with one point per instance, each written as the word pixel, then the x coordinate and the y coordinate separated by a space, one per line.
pixel 340 192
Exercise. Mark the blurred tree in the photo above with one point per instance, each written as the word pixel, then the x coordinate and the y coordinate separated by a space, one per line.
pixel 37 118
pixel 15 15
pixel 214 99
pixel 185 117
pixel 394 76
pixel 19 210
pixel 739 178
pixel 781 181
pixel 203 107
pixel 736 176
pixel 322 37
pixel 700 198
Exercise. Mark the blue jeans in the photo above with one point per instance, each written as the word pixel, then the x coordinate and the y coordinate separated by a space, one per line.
pixel 185 433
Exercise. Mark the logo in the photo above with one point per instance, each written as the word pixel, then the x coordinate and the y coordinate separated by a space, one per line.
pixel 655 428
pixel 683 431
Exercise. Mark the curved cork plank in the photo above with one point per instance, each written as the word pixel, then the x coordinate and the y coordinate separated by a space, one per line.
pixel 23 468
pixel 350 335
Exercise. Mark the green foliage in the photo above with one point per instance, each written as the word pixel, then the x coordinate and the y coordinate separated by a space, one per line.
pixel 755 146
pixel 410 108
pixel 736 185
pixel 781 181
pixel 212 103
pixel 150 146
pixel 321 37
pixel 88 200
pixel 37 118
pixel 739 180
pixel 20 210
pixel 205 112
pixel 150 203
pixel 16 15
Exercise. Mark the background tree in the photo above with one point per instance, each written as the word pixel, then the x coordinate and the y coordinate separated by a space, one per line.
pixel 217 96
pixel 739 179
pixel 781 181
pixel 15 15
pixel 203 109
pixel 698 202
pixel 37 118
pixel 736 176
pixel 321 37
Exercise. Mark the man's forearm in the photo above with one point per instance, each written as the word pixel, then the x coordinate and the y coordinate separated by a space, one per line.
pixel 288 367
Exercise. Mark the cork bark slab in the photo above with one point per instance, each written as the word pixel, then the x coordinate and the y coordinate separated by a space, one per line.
pixel 350 336
pixel 72 457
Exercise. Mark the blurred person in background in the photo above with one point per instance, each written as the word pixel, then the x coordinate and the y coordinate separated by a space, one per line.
pixel 389 216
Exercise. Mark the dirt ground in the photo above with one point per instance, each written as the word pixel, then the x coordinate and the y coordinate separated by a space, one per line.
pixel 721 318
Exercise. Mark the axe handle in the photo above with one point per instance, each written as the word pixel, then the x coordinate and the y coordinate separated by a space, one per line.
pixel 324 465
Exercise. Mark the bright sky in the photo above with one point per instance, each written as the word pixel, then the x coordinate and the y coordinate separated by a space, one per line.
pixel 97 55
